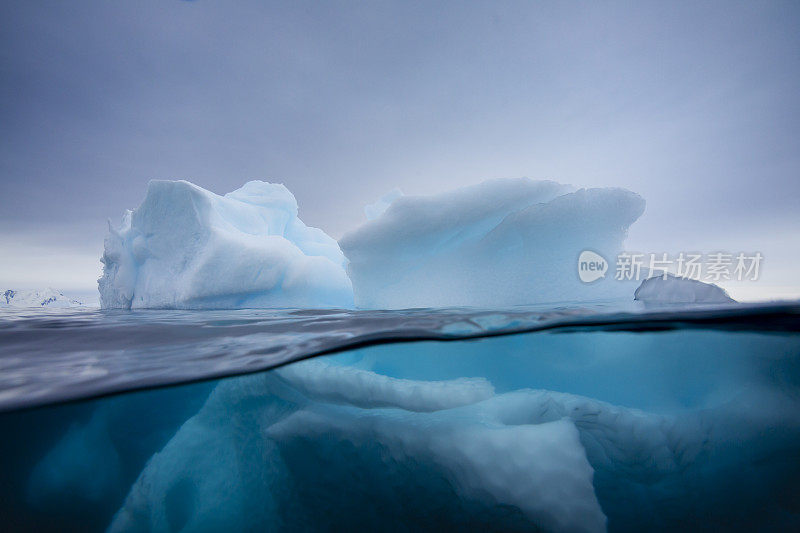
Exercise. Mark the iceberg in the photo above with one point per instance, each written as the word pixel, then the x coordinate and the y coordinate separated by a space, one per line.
pixel 499 243
pixel 306 445
pixel 36 298
pixel 671 289
pixel 321 444
pixel 187 248
pixel 574 431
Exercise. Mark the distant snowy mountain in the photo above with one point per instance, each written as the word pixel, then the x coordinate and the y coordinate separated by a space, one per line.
pixel 36 298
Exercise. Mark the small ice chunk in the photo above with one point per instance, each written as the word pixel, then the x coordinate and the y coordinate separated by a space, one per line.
pixel 671 289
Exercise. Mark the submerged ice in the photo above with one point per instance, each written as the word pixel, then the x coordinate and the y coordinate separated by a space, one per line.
pixel 188 248
pixel 575 432
pixel 403 446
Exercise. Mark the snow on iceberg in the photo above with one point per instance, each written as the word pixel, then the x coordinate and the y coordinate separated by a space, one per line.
pixel 188 248
pixel 36 298
pixel 670 289
pixel 499 243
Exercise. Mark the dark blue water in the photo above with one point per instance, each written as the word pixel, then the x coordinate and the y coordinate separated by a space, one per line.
pixel 570 419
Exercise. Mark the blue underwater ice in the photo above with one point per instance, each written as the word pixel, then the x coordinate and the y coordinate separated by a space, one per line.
pixel 603 424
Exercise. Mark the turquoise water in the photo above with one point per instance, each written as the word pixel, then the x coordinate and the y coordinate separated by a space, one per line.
pixel 568 419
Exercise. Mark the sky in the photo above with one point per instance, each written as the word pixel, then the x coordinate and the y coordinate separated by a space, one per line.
pixel 693 105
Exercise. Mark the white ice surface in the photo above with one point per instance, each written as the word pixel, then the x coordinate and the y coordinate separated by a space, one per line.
pixel 186 247
pixel 499 243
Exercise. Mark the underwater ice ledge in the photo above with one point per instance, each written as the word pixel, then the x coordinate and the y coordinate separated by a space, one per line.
pixel 566 430
pixel 499 243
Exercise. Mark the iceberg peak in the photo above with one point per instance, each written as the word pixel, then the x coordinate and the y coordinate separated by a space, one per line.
pixel 499 243
pixel 374 210
pixel 186 247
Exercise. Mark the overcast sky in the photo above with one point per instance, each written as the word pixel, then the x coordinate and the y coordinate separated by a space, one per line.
pixel 694 105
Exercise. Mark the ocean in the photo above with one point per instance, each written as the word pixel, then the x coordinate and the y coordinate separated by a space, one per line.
pixel 568 418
